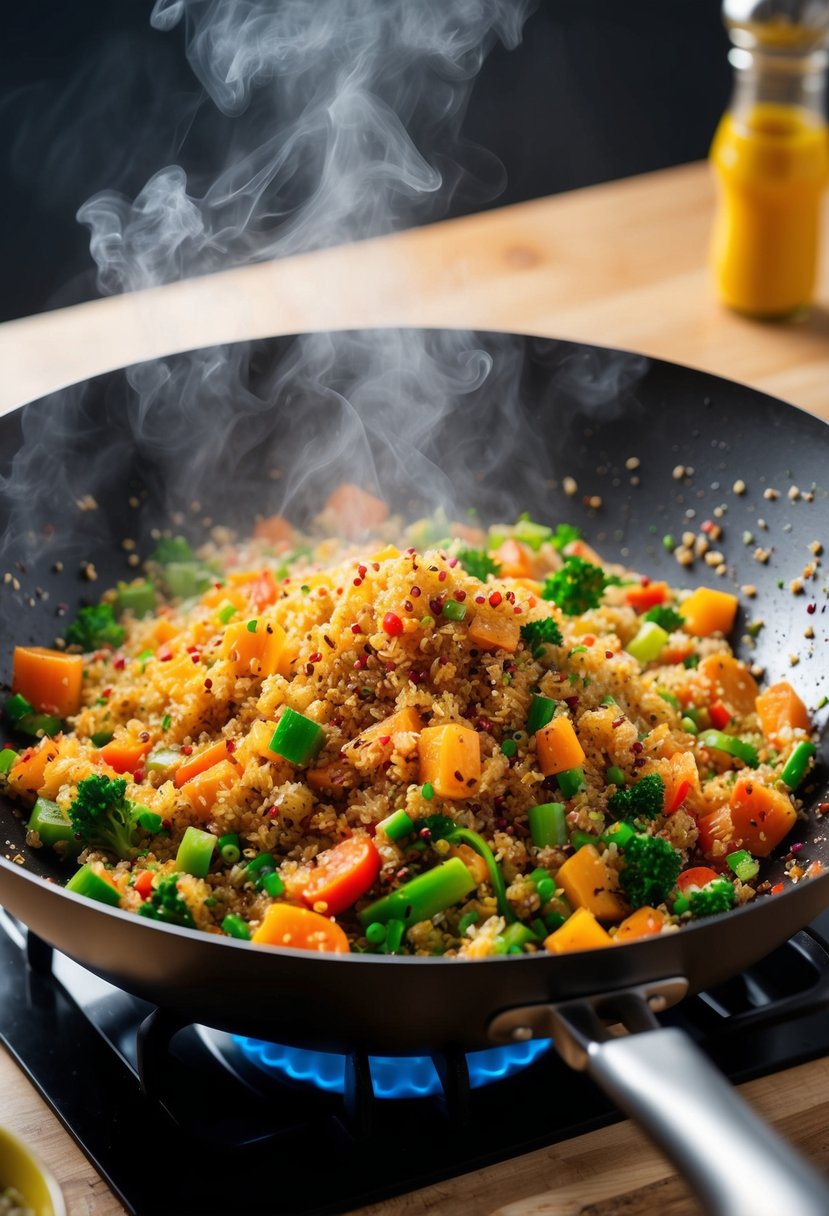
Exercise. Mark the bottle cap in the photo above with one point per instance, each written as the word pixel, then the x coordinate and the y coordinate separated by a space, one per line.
pixel 788 26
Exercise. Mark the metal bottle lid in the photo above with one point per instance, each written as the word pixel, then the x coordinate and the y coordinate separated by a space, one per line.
pixel 790 26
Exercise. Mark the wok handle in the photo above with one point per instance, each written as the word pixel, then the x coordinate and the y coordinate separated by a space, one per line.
pixel 736 1163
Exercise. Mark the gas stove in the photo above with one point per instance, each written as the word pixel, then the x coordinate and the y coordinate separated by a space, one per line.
pixel 261 1127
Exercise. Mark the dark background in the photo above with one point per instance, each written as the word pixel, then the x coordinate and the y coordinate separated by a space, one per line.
pixel 94 98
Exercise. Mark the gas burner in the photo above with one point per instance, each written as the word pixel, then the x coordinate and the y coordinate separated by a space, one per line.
pixel 391 1076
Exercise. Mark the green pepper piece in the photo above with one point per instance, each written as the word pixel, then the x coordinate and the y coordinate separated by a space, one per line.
pixel 137 598
pixel 195 852
pixel 541 712
pixel 149 820
pixel 272 884
pixel 618 833
pixel 570 781
pixel 423 897
pixel 50 822
pixel 235 926
pixel 797 765
pixel 185 579
pixel 7 758
pixel 548 824
pixel 38 725
pixel 615 776
pixel 86 881
pixel 297 738
pixel 256 866
pixel 516 934
pixel 579 839
pixel 732 745
pixel 101 738
pixel 16 707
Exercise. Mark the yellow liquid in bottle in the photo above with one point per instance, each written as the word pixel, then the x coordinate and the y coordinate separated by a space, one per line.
pixel 772 165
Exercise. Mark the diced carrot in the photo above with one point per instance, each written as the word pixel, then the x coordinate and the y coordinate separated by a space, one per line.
pixel 254 652
pixel 404 721
pixel 695 877
pixel 163 631
pixel 257 742
pixel 781 712
pixel 215 596
pixel 716 833
pixel 300 929
pixel 557 747
pixel 515 559
pixel 641 923
pixel 26 774
pixel 675 653
pixel 202 790
pixel 259 587
pixel 49 679
pixel 728 680
pixel 646 595
pixel 274 527
pixel 589 882
pixel 492 630
pixel 581 931
pixel 761 816
pixel 202 761
pixel 124 754
pixel 356 511
pixel 450 760
pixel 580 548
pixel 143 883
pixel 681 778
pixel 708 611
pixel 334 779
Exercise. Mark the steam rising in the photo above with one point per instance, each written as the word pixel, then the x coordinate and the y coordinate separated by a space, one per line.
pixel 353 111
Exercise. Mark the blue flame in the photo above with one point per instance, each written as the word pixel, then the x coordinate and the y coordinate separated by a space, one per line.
pixel 391 1076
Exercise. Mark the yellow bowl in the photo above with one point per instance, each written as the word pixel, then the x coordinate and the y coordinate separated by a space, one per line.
pixel 21 1169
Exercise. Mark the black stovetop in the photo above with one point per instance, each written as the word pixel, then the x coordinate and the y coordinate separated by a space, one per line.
pixel 128 1084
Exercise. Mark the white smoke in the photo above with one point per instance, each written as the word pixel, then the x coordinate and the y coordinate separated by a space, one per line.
pixel 348 120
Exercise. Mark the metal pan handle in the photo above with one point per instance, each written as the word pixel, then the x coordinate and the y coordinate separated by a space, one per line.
pixel 736 1164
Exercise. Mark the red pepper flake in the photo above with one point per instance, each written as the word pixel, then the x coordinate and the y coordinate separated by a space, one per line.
pixel 187 751
pixel 416 677
pixel 208 683
pixel 138 776
pixel 195 658
pixel 360 663
pixel 510 597
pixel 315 657
pixel 411 552
pixel 707 525
pixel 608 654
pixel 589 639
pixel 384 740
pixel 518 609
pixel 362 571
pixel 777 889
pixel 495 599
pixel 375 566
pixel 414 592
pixel 119 663
pixel 356 629
pixel 273 812
pixel 480 599
pixel 357 582
pixel 164 654
pixel 453 561
pixel 460 596
pixel 637 747
pixel 107 692
pixel 442 576
pixel 616 723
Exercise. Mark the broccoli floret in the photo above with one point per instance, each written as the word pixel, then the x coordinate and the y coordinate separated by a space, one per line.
pixel 93 627
pixel 103 818
pixel 650 868
pixel 718 895
pixel 644 800
pixel 167 905
pixel 478 563
pixel 665 617
pixel 577 586
pixel 539 633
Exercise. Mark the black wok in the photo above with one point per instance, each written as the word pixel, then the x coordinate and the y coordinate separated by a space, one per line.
pixel 273 426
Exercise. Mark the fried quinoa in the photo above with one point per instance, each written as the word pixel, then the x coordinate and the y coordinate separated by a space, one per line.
pixel 464 744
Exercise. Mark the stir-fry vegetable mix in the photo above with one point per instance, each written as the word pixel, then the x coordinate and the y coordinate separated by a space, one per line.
pixel 475 743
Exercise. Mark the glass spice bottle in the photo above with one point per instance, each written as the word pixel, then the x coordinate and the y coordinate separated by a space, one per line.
pixel 771 157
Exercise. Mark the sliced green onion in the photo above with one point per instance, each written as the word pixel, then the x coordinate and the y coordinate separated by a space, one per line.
pixel 272 884
pixel 397 825
pixel 166 722
pixel 743 864
pixel 230 848
pixel 732 745
pixel 618 834
pixel 144 658
pixel 649 642
pixel 797 765
pixel 149 820
pixel 226 612
pixel 541 712
pixel 424 896
pixel 50 823
pixel 689 725
pixel 87 882
pixel 548 824
pixel 161 758
pixel 614 776
pixel 466 921
pixel 195 852
pixel 670 698
pixel 265 861
pixel 235 926
pixel 7 758
pixel 297 738
pixel 252 626
pixel 570 781
pixel 101 738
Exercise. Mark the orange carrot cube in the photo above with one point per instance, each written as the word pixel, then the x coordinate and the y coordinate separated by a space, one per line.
pixel 581 931
pixel 50 680
pixel 450 760
pixel 557 747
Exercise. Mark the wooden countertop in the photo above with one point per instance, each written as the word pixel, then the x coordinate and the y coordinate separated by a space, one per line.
pixel 620 265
